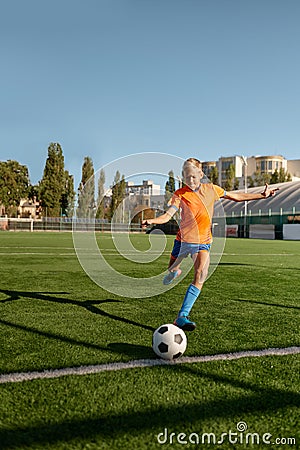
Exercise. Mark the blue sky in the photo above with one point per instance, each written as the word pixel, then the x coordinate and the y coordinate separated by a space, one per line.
pixel 108 78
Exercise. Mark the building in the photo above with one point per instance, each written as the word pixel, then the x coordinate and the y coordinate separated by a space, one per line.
pixel 29 208
pixel 268 164
pixel 144 195
pixel 250 166
pixel 208 166
pixel 224 164
pixel 139 197
pixel 146 188
pixel 293 167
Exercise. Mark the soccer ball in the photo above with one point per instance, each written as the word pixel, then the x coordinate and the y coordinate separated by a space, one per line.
pixel 169 341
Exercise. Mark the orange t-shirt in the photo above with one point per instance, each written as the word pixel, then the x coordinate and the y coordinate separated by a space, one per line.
pixel 196 212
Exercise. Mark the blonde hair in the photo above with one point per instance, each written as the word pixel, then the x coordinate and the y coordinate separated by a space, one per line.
pixel 192 161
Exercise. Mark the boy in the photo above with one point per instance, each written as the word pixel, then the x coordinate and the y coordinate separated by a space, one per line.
pixel 196 203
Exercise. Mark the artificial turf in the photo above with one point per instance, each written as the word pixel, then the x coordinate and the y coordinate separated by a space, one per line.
pixel 54 316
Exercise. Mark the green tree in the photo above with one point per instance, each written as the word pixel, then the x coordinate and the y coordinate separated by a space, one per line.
pixel 169 188
pixel 266 178
pixel 68 197
pixel 86 190
pixel 14 185
pixel 52 185
pixel 258 178
pixel 101 191
pixel 280 177
pixel 34 192
pixel 261 178
pixel 118 194
pixel 214 175
pixel 250 182
pixel 274 177
pixel 229 182
pixel 236 184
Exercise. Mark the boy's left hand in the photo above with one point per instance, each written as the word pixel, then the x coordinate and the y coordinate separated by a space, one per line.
pixel 269 192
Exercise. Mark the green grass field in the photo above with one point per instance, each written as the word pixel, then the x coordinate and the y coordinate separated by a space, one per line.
pixel 53 316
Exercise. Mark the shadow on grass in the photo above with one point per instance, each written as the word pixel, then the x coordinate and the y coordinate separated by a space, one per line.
pixel 264 303
pixel 151 420
pixel 236 264
pixel 89 305
pixel 122 349
pixel 254 399
pixel 131 350
pixel 93 306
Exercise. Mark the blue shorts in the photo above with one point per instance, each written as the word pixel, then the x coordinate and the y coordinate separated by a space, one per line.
pixel 184 248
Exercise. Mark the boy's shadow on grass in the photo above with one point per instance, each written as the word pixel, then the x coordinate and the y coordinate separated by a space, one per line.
pixel 131 350
pixel 277 305
pixel 89 305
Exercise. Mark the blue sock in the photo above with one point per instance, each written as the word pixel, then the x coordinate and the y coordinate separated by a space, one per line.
pixel 191 296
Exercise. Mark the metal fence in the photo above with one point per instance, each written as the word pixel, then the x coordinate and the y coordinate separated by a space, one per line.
pixel 242 224
pixel 65 224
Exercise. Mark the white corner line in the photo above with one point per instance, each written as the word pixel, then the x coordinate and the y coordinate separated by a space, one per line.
pixel 140 363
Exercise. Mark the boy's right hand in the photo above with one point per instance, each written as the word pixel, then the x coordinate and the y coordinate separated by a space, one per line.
pixel 145 224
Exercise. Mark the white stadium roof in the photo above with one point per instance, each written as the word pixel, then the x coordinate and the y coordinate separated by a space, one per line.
pixel 286 201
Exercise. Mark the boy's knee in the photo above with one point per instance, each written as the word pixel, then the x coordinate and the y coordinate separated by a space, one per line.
pixel 201 275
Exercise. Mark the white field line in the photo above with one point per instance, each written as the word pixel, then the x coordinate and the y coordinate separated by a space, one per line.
pixel 39 247
pixel 109 252
pixel 140 363
pixel 36 253
pixel 259 254
pixel 72 254
pixel 112 251
pixel 131 252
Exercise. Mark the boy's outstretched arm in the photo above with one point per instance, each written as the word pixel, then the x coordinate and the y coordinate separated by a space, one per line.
pixel 163 218
pixel 243 196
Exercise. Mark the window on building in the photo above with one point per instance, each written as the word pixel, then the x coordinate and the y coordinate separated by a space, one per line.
pixel 263 166
pixel 226 164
